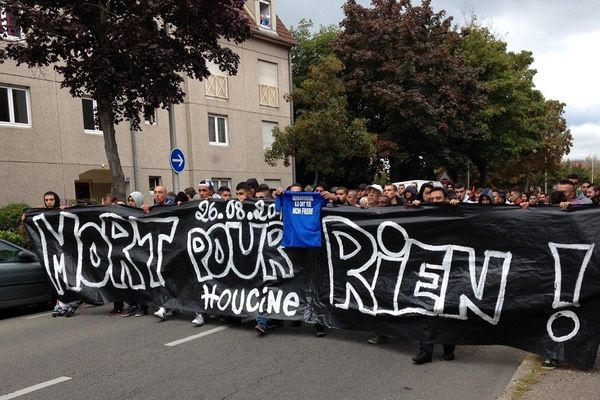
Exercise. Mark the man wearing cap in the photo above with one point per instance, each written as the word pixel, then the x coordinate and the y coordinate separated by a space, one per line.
pixel 206 190
pixel 374 191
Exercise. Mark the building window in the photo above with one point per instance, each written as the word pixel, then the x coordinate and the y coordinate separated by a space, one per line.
pixel 218 182
pixel 216 84
pixel 9 30
pixel 90 111
pixel 268 87
pixel 265 16
pixel 217 129
pixel 14 106
pixel 153 181
pixel 273 183
pixel 267 134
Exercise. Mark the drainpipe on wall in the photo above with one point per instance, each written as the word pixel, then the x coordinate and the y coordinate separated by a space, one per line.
pixel 136 174
pixel 173 143
pixel 172 135
pixel 291 84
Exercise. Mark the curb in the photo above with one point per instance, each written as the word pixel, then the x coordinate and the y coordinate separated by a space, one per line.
pixel 523 379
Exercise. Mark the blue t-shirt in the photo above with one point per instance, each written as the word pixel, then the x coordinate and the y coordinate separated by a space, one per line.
pixel 301 218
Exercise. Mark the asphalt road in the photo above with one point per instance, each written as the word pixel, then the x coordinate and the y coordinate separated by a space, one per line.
pixel 94 356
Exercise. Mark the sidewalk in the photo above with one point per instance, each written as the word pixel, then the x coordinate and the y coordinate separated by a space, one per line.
pixel 530 382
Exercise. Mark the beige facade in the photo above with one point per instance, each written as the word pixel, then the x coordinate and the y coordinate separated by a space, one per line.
pixel 53 151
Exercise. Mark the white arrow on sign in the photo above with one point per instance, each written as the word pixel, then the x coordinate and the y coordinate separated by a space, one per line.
pixel 179 160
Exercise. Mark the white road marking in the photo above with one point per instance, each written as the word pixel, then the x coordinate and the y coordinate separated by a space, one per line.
pixel 33 388
pixel 38 316
pixel 199 335
pixel 205 333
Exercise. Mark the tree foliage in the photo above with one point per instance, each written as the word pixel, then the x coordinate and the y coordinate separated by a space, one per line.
pixel 323 135
pixel 128 55
pixel 310 48
pixel 512 120
pixel 405 74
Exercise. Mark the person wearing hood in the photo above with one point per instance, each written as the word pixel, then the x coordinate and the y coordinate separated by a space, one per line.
pixel 61 309
pixel 135 199
pixel 486 198
pixel 51 200
pixel 410 194
pixel 423 195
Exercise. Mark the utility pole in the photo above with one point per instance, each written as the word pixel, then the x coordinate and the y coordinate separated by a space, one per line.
pixel 593 158
pixel 172 134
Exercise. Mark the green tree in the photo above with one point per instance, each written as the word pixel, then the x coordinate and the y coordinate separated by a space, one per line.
pixel 405 74
pixel 128 55
pixel 310 48
pixel 323 136
pixel 512 120
pixel 556 143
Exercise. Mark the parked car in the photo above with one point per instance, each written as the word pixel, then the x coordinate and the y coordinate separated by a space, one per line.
pixel 23 280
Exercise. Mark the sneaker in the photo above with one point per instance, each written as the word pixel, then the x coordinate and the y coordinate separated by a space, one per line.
pixel 379 339
pixel 549 363
pixel 422 358
pixel 57 312
pixel 261 329
pixel 448 355
pixel 131 310
pixel 161 313
pixel 319 331
pixel 199 320
pixel 115 311
pixel 69 312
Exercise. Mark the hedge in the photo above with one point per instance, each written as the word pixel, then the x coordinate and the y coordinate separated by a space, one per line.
pixel 11 226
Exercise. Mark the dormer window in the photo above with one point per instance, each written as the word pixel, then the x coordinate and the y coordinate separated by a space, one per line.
pixel 265 14
pixel 9 30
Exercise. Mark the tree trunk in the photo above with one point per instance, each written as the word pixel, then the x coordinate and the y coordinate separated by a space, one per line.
pixel 483 171
pixel 526 188
pixel 105 117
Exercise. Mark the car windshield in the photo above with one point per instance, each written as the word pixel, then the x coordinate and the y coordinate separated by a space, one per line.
pixel 8 253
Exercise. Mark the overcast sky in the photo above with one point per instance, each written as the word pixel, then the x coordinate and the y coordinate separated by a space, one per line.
pixel 563 36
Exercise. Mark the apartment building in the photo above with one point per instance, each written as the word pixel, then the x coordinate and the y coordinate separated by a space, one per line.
pixel 49 141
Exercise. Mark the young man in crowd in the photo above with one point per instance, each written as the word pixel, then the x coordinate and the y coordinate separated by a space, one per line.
pixel 263 192
pixel 190 192
pixel 391 192
pixel 461 193
pixel 243 191
pixel 592 193
pixel 567 186
pixel 225 193
pixel 342 196
pixel 352 198
pixel 206 190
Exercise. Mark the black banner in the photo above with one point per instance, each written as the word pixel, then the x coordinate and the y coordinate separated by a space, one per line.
pixel 441 274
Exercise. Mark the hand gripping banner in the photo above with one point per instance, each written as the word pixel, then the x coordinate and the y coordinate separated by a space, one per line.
pixel 440 274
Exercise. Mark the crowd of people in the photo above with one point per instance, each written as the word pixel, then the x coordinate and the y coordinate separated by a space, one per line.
pixel 567 193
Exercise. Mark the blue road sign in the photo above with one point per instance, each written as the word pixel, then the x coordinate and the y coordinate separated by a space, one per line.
pixel 177 160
